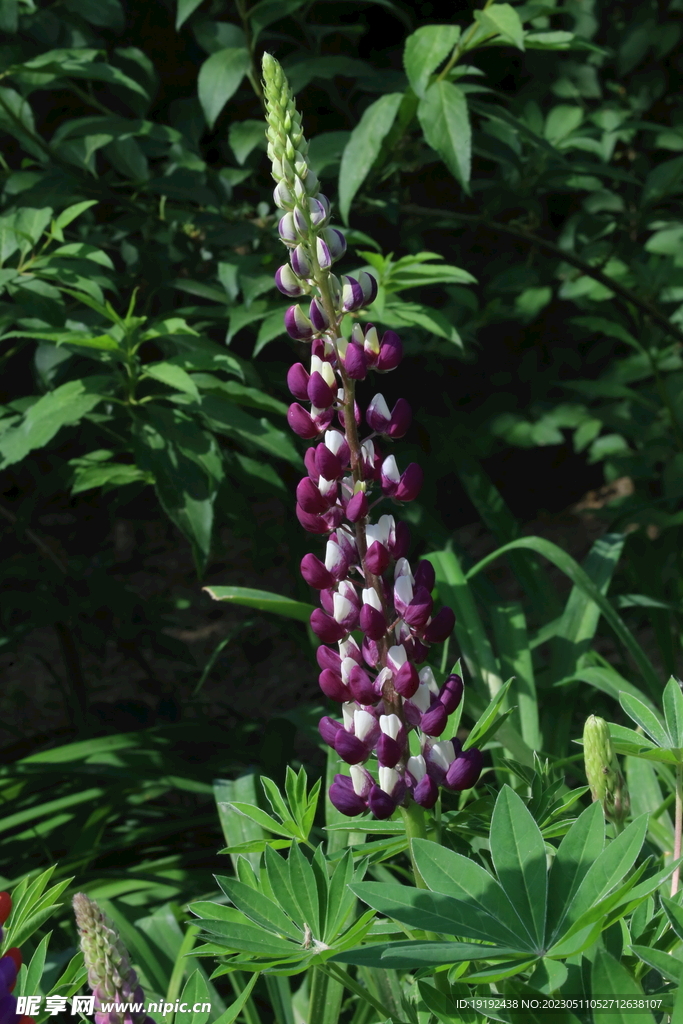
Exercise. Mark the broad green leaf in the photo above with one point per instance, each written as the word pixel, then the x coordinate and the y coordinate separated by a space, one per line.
pixel 673 712
pixel 263 600
pixel 668 966
pixel 427 910
pixel 581 846
pixel 674 913
pixel 107 475
pixel 184 10
pixel 67 216
pixel 462 878
pixel 424 50
pixel 262 819
pixel 518 855
pixel 303 884
pixel 244 136
pixel 174 376
pixel 224 416
pixel 195 993
pixel 280 881
pixel 259 909
pixel 605 872
pixel 233 1011
pixel 219 79
pixel 244 937
pixel 363 147
pixel 504 20
pixel 184 463
pixel 611 979
pixel 398 314
pixel 62 407
pixel 237 828
pixel 650 722
pixel 445 123
pixel 407 955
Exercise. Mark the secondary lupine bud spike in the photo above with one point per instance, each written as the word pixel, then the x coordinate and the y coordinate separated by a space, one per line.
pixel 110 974
pixel 605 779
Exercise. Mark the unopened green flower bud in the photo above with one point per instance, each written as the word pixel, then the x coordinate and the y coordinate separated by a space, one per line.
pixel 606 782
pixel 287 147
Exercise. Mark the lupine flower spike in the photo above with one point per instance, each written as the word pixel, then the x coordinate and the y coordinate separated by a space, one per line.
pixel 602 770
pixel 363 576
pixel 10 962
pixel 110 975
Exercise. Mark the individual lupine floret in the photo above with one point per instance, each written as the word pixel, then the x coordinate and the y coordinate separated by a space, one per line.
pixel 349 793
pixel 402 486
pixel 393 424
pixel 110 974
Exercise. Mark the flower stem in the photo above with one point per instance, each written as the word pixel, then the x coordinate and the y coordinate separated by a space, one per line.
pixel 416 828
pixel 325 999
pixel 678 828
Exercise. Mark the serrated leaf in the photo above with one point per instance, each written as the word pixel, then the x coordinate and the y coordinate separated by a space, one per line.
pixel 446 126
pixel 504 20
pixel 424 50
pixel 172 375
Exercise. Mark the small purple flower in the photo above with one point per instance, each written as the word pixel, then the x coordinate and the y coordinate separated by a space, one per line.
pixel 297 324
pixel 350 795
pixel 325 627
pixel 301 264
pixel 297 381
pixel 395 423
pixel 333 685
pixel 451 693
pixel 288 283
pixel 377 558
pixel 390 352
pixel 315 573
pixel 357 508
pixel 335 241
pixel 318 317
pixel 465 769
pixel 320 394
pixel 441 626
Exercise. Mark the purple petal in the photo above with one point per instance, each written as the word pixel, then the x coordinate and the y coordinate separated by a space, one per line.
pixel 345 799
pixel 388 751
pixel 328 729
pixel 297 381
pixel 434 721
pixel 426 793
pixel 372 622
pixel 390 352
pixel 310 522
pixel 288 283
pixel 318 316
pixel 355 362
pixel 451 693
pixel 350 748
pixel 401 418
pixel 361 687
pixel 310 498
pixel 328 658
pixel 297 324
pixel 424 575
pixel 380 803
pixel 411 483
pixel 465 770
pixel 406 680
pixel 315 573
pixel 319 391
pixel 357 507
pixel 377 558
pixel 441 626
pixel 332 686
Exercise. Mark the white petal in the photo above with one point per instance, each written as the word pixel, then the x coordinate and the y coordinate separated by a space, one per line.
pixel 348 710
pixel 417 767
pixel 390 470
pixel 371 597
pixel 346 666
pixel 427 677
pixel 333 555
pixel 403 569
pixel 327 374
pixel 363 723
pixel 422 698
pixel 390 725
pixel 334 439
pixel 403 589
pixel 397 656
pixel 388 778
pixel 342 607
pixel 442 753
pixel 379 406
pixel 359 778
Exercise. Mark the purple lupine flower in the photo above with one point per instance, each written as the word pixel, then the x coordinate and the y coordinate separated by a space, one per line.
pixel 364 579
pixel 110 974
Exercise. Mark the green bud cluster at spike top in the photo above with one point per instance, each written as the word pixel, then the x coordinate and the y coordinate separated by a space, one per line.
pixel 364 579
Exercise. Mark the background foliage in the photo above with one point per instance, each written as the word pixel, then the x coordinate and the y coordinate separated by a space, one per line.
pixel 520 200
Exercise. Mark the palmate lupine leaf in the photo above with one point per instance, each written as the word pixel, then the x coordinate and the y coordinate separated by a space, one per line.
pixel 507 913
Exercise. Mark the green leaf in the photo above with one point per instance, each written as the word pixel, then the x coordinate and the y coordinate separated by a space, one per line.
pixel 445 123
pixel 514 654
pixel 186 467
pixel 184 10
pixel 399 314
pixel 504 20
pixel 454 875
pixel 263 600
pixel 72 212
pixel 247 938
pixel 230 1015
pixel 581 846
pixel 488 722
pixel 650 722
pixel 219 79
pixel 174 376
pixel 668 966
pixel 264 820
pixel 103 342
pixel 576 574
pixel 407 955
pixel 244 136
pixel 427 910
pixel 303 885
pixel 610 978
pixel 259 909
pixel 674 913
pixel 605 872
pixel 195 993
pixel 424 50
pixel 237 828
pixel 518 855
pixel 62 407
pixel 224 416
pixel 104 13
pixel 673 711
pixel 364 146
